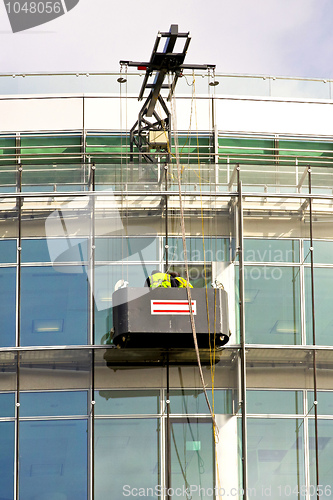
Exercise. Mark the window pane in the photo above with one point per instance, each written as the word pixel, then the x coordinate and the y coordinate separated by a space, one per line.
pixel 272 295
pixel 325 448
pixel 192 456
pixel 126 402
pixel 268 250
pixel 322 252
pixel 274 402
pixel 126 455
pixel 111 249
pixel 106 278
pixel 7 251
pixel 53 306
pixel 325 402
pixel 194 401
pixel 53 460
pixel 7 306
pixel 209 249
pixel 49 404
pixel 323 297
pixel 66 250
pixel 275 458
pixel 7 447
pixel 7 405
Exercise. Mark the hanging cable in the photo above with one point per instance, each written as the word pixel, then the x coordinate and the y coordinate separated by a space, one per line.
pixel 189 295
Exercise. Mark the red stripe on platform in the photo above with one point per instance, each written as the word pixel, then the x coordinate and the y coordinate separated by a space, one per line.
pixel 170 311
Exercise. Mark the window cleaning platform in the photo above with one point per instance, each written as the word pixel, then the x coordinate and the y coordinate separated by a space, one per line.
pixel 160 318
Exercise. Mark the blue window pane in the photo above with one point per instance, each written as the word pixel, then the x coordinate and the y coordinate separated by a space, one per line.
pixel 54 250
pixel 7 447
pixel 7 405
pixel 274 402
pixel 269 250
pixel 53 460
pixel 126 402
pixel 194 401
pixel 126 453
pixel 50 404
pixel 113 249
pixel 54 306
pixel 7 306
pixel 7 251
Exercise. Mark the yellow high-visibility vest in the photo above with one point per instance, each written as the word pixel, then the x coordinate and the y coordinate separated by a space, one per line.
pixel 182 282
pixel 162 280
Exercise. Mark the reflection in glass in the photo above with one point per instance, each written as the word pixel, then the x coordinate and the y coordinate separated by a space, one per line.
pixel 136 402
pixel 7 251
pixel 106 278
pixel 7 446
pixel 193 401
pixel 324 402
pixel 113 249
pixel 272 305
pixel 269 250
pixel 53 459
pixel 323 297
pixel 325 449
pixel 61 249
pixel 126 455
pixel 55 403
pixel 274 402
pixel 192 456
pixel 276 458
pixel 7 404
pixel 54 306
pixel 7 306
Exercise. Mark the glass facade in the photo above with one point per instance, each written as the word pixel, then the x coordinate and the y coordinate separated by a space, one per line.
pixel 82 215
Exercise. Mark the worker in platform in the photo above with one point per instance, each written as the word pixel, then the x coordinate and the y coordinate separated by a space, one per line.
pixel 160 280
pixel 180 282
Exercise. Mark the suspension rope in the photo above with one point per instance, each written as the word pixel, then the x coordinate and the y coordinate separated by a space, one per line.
pixel 189 295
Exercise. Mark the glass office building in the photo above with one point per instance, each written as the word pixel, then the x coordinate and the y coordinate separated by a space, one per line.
pixel 83 420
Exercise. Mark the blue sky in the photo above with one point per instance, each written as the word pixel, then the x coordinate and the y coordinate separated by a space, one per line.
pixel 264 37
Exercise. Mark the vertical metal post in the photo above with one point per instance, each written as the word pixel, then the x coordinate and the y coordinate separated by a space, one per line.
pixel 168 432
pixel 92 308
pixel 166 247
pixel 314 336
pixel 242 332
